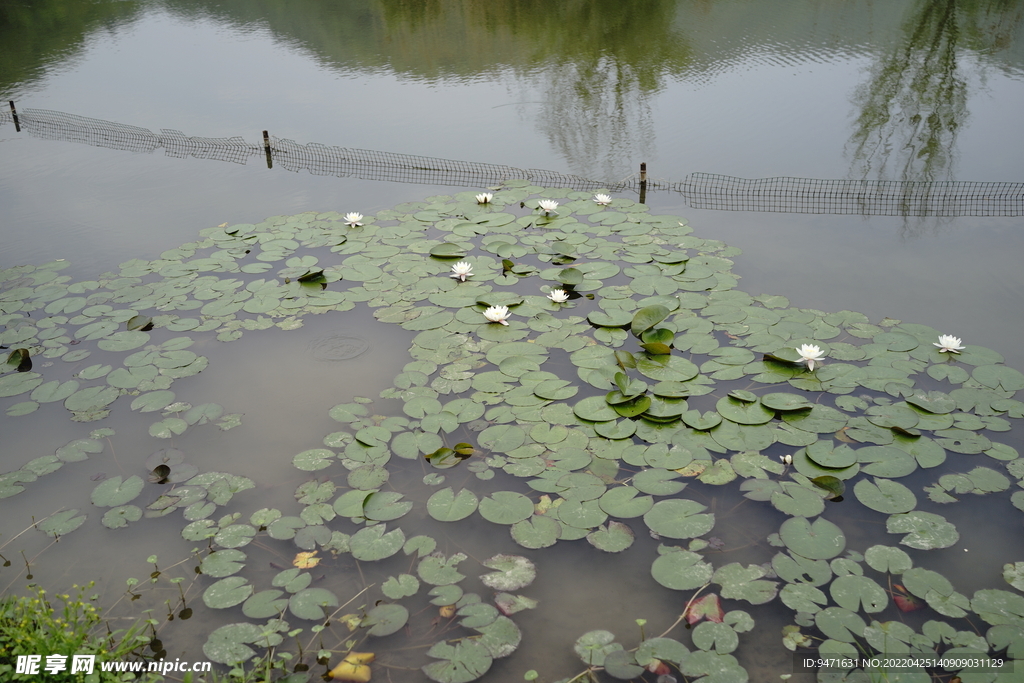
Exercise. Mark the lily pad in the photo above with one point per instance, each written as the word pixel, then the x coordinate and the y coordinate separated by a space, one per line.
pixel 679 518
pixel 375 543
pixel 233 590
pixel 386 619
pixel 506 507
pixel 465 661
pixel 117 491
pixel 681 570
pixel 820 540
pixel 885 496
pixel 924 530
pixel 312 603
pixel 447 506
pixel 514 572
pixel 614 538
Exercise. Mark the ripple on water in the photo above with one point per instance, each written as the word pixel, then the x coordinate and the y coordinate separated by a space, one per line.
pixel 335 347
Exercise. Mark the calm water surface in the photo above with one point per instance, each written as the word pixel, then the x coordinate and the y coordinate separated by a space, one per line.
pixel 855 90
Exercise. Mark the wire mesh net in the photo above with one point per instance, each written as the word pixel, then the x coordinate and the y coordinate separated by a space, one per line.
pixel 865 197
pixel 700 190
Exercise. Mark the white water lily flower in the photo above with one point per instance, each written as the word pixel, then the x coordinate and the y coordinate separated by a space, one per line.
pixel 548 205
pixel 810 354
pixel 559 296
pixel 462 270
pixel 948 343
pixel 602 199
pixel 484 198
pixel 786 459
pixel 353 219
pixel 497 314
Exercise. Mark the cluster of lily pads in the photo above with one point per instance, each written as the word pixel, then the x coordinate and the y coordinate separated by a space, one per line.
pixel 593 361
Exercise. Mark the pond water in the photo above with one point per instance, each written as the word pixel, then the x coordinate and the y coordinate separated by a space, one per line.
pixel 903 91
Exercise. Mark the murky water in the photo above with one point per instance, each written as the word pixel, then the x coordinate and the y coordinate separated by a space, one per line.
pixel 806 89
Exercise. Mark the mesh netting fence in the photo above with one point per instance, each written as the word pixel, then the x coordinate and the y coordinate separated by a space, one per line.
pixel 700 190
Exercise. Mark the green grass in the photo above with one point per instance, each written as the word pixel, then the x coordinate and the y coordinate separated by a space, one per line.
pixel 64 624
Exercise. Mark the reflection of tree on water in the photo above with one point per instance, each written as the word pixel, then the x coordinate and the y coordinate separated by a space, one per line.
pixel 593 65
pixel 598 115
pixel 915 104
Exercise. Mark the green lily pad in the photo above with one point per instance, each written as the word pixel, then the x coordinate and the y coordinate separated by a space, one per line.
pixel 857 593
pixel 447 250
pixel 313 459
pixel 593 646
pixel 61 523
pixel 223 563
pixel 885 496
pixel 438 571
pixel 465 661
pixel 401 586
pixel 312 603
pixel 884 558
pixel 386 619
pixel 506 507
pixel 372 543
pixel 227 644
pixel 538 531
pixel 265 604
pixel 117 491
pixel 385 506
pixel 679 518
pixel 646 318
pixel 820 540
pixel 681 570
pixel 614 538
pixel 153 401
pixel 446 506
pixel 118 517
pixel 885 461
pixel 924 530
pixel 743 412
pixel 513 572
pixel 234 590
pixel 745 583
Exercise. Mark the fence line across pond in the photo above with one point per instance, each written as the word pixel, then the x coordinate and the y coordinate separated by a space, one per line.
pixel 700 190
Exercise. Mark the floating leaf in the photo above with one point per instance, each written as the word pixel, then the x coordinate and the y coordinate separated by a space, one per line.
pixel 514 572
pixel 438 571
pixel 233 590
pixel 593 646
pixel 313 603
pixel 446 506
pixel 465 661
pixel 614 538
pixel 706 606
pixel 820 540
pixel 885 496
pixel 265 604
pixel 117 491
pixel 384 620
pixel 646 318
pixel 227 644
pixel 372 543
pixel 681 570
pixel 678 518
pixel 447 250
pixel 506 507
pixel 924 530
pixel 401 586
pixel 61 523
pixel 384 506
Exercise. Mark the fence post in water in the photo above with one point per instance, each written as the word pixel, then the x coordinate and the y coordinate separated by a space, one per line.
pixel 266 148
pixel 14 114
pixel 643 182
